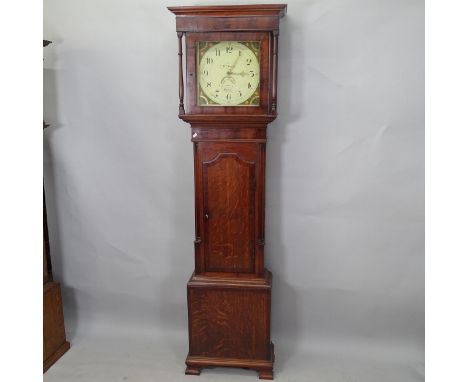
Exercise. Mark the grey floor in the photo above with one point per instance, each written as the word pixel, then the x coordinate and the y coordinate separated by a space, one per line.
pixel 122 358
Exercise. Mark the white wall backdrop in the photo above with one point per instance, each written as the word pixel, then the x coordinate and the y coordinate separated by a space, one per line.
pixel 345 172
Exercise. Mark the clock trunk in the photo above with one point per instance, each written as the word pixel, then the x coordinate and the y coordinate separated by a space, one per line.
pixel 229 189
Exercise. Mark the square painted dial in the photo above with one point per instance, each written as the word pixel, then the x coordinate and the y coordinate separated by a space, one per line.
pixel 228 73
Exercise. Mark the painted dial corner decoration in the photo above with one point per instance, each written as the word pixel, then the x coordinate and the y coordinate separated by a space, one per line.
pixel 228 73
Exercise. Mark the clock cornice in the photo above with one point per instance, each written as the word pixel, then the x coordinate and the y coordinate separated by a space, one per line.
pixel 263 17
pixel 231 10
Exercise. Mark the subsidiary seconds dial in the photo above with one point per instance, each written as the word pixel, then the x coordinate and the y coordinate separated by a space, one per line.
pixel 228 73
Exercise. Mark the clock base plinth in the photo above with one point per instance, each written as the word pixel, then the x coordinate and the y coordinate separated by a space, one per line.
pixel 55 343
pixel 229 324
pixel 263 367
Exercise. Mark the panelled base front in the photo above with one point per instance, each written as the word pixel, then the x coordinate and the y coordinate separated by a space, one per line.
pixel 55 343
pixel 229 324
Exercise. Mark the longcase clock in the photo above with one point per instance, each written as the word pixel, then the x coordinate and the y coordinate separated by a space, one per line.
pixel 231 82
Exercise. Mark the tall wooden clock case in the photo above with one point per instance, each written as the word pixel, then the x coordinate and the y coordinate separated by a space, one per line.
pixel 231 77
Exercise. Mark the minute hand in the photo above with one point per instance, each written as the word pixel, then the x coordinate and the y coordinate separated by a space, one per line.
pixel 243 73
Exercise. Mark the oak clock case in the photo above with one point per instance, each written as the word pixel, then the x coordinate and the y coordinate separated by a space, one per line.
pixel 229 99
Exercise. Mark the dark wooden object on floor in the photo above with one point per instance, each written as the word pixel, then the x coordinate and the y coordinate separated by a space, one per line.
pixel 54 341
pixel 229 293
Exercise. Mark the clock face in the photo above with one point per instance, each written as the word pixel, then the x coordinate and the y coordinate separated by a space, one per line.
pixel 228 73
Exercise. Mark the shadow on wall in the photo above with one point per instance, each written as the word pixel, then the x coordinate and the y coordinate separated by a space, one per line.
pixel 171 313
pixel 285 310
